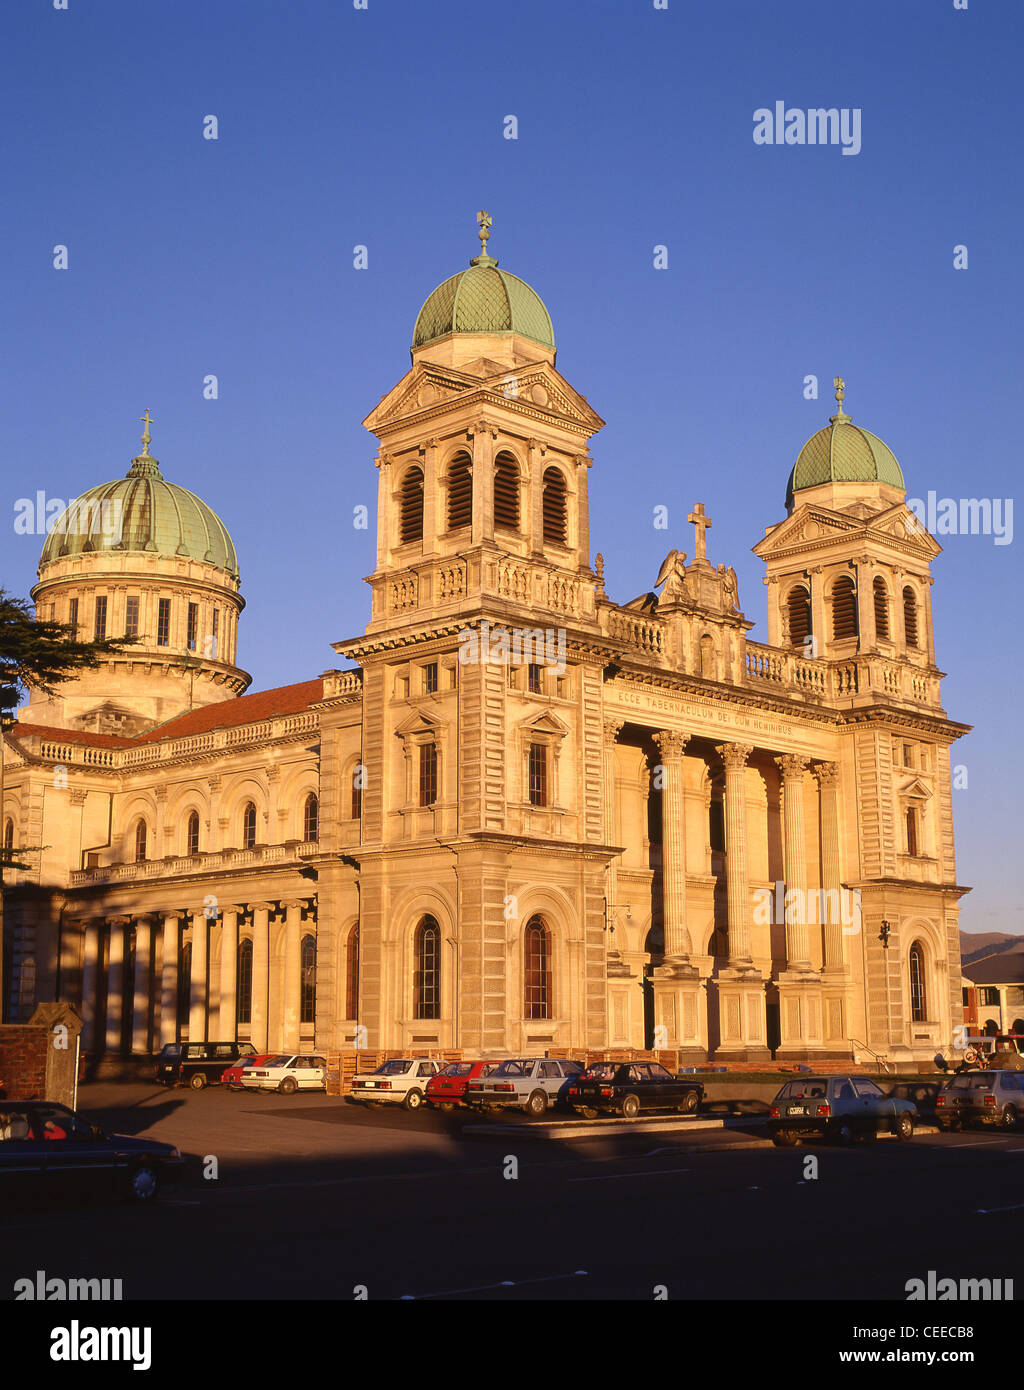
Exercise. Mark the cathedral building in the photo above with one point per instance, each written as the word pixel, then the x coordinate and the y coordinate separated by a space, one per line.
pixel 522 815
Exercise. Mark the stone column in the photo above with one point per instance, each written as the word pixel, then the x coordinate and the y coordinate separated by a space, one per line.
pixel 227 1020
pixel 197 988
pixel 292 973
pixel 671 746
pixel 116 1002
pixel 865 605
pixel 827 775
pixel 797 948
pixel 259 1027
pixel 90 981
pixel 734 756
pixel 483 483
pixel 535 501
pixel 169 980
pixel 583 462
pixel 143 995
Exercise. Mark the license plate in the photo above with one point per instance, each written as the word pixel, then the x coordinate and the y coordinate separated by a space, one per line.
pixel 369 1085
pixel 798 1110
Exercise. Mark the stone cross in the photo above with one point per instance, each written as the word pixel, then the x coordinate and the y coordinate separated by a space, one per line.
pixel 701 525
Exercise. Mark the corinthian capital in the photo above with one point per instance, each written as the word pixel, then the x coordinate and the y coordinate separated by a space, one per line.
pixel 791 766
pixel 734 755
pixel 612 729
pixel 827 774
pixel 670 742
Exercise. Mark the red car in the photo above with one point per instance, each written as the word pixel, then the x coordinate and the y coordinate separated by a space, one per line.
pixel 232 1076
pixel 447 1089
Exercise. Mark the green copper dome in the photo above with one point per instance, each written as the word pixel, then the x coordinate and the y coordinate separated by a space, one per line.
pixel 843 452
pixel 142 512
pixel 484 299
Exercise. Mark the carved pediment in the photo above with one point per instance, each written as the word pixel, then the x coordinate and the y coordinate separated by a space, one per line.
pixel 916 790
pixel 424 385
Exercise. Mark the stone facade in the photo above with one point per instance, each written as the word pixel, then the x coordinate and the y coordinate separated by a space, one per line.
pixel 526 816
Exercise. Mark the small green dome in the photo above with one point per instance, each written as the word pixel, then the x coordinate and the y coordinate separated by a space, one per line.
pixel 143 512
pixel 484 299
pixel 843 452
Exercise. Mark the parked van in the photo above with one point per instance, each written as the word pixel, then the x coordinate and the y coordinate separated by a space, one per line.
pixel 198 1064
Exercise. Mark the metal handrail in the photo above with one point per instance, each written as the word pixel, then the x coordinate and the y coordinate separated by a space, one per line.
pixel 883 1065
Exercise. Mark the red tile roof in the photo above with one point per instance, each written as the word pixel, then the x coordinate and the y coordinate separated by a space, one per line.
pixel 245 709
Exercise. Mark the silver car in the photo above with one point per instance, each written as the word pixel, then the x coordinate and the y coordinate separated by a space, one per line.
pixel 532 1084
pixel 981 1097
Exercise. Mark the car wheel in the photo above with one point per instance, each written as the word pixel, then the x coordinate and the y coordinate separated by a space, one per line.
pixel 537 1104
pixel 1008 1119
pixel 904 1126
pixel 198 1081
pixel 413 1100
pixel 844 1132
pixel 587 1111
pixel 630 1107
pixel 288 1086
pixel 785 1139
pixel 444 1104
pixel 143 1183
pixel 691 1103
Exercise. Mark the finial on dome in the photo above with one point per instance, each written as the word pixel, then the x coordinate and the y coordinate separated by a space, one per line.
pixel 144 465
pixel 840 416
pixel 484 221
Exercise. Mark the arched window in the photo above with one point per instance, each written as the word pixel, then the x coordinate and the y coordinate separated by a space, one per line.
pixel 555 510
pixel 410 506
pixel 460 492
pixel 243 992
pixel 140 840
pixel 8 833
pixel 798 608
pixel 352 974
pixel 506 492
pixel 918 999
pixel 357 793
pixel 427 980
pixel 311 818
pixel 249 825
pixel 844 609
pixel 881 595
pixel 707 657
pixel 910 616
pixel 537 970
pixel 308 968
pixel 192 833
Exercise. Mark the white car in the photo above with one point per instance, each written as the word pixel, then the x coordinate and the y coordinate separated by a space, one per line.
pixel 402 1081
pixel 287 1073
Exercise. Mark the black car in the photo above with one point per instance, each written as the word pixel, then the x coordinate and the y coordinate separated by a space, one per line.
pixel 48 1149
pixel 629 1087
pixel 199 1064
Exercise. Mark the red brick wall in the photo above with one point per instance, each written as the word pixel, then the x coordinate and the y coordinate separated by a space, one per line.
pixel 23 1060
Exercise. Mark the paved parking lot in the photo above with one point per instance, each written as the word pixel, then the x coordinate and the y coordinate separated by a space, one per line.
pixel 317 1197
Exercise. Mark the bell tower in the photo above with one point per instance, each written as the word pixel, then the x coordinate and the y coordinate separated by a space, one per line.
pixel 848 571
pixel 483 463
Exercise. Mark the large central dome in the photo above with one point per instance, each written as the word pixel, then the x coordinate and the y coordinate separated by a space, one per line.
pixel 142 512
pixel 484 299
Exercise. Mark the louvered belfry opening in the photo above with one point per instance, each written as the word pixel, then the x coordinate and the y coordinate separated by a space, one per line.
pixel 910 616
pixel 555 508
pixel 844 609
pixel 411 506
pixel 881 594
pixel 460 492
pixel 506 492
pixel 799 606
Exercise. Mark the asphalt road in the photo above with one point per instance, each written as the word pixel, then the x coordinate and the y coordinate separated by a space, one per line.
pixel 318 1198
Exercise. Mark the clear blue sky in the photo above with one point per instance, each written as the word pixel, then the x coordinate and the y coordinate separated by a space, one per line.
pixel 384 127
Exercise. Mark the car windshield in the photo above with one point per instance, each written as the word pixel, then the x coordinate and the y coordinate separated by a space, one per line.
pixel 516 1067
pixel 278 1061
pixel 457 1069
pixel 396 1067
pixel 811 1089
pixel 171 1050
pixel 601 1071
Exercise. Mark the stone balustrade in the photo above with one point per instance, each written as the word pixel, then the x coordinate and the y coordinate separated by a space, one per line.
pixel 815 678
pixel 176 866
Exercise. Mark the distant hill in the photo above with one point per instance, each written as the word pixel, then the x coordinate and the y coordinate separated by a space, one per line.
pixel 974 945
